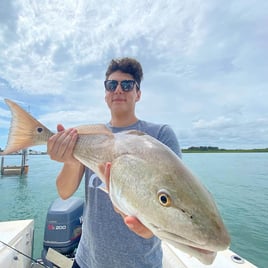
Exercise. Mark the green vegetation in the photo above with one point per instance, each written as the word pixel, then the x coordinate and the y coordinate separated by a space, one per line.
pixel 211 149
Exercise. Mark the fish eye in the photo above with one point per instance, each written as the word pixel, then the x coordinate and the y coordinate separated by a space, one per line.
pixel 39 129
pixel 164 198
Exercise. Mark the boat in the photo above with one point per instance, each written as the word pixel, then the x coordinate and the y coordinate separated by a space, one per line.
pixel 174 258
pixel 16 242
pixel 61 237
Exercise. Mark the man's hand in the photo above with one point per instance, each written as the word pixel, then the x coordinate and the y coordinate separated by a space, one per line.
pixel 61 145
pixel 132 222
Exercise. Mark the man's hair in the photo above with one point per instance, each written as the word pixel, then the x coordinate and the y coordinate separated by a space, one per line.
pixel 126 65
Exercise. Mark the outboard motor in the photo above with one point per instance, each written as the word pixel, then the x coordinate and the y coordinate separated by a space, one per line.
pixel 63 227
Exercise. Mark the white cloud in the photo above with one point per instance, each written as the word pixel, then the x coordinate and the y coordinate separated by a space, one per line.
pixel 73 118
pixel 4 113
pixel 205 63
pixel 218 123
pixel 52 38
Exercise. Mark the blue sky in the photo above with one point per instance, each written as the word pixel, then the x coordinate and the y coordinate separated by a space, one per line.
pixel 205 64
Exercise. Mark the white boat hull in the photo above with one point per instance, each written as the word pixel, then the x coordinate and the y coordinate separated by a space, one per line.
pixel 174 258
pixel 17 235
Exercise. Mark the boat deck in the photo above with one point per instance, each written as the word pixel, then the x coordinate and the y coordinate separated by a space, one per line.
pixel 16 242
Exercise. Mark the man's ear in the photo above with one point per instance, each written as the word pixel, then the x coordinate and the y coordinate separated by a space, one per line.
pixel 138 95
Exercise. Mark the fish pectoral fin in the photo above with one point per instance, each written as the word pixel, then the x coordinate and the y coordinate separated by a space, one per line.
pixel 93 130
pixel 104 174
pixel 104 190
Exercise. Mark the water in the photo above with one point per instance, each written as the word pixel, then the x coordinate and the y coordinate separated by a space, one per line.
pixel 29 196
pixel 238 182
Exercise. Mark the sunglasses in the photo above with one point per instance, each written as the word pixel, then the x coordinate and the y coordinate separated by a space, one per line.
pixel 126 85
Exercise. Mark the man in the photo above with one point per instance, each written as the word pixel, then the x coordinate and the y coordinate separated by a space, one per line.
pixel 111 239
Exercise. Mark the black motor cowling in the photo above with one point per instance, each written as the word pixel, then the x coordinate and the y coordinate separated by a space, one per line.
pixel 63 226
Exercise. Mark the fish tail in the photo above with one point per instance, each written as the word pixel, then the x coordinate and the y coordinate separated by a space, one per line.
pixel 24 130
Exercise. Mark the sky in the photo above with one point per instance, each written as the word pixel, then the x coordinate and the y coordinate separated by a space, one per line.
pixel 205 64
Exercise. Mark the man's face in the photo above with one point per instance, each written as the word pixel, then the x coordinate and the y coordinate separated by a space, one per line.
pixel 119 101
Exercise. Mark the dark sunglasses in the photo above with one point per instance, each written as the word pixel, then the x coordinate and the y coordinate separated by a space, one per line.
pixel 126 85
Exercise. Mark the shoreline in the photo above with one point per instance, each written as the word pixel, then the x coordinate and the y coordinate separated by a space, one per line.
pixel 188 150
pixel 207 150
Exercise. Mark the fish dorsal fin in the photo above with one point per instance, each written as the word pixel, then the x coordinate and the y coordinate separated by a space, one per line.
pixel 135 132
pixel 93 130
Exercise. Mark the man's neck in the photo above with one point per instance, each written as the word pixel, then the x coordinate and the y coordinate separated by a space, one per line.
pixel 123 121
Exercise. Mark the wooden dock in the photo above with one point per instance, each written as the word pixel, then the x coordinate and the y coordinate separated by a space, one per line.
pixel 16 169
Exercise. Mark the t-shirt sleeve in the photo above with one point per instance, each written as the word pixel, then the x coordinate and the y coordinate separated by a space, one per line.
pixel 168 137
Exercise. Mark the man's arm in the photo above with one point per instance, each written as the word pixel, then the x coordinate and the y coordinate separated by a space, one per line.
pixel 60 148
pixel 168 137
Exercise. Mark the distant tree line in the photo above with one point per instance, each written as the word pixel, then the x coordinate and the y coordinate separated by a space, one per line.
pixel 203 148
pixel 214 149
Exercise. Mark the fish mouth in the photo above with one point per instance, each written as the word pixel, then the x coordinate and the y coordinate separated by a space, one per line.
pixel 188 244
pixel 201 252
pixel 177 239
pixel 205 256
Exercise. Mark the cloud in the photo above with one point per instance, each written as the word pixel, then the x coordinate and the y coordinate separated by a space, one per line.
pixel 72 118
pixel 53 39
pixel 218 123
pixel 204 63
pixel 4 113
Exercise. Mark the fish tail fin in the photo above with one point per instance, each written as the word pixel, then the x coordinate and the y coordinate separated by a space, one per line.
pixel 24 130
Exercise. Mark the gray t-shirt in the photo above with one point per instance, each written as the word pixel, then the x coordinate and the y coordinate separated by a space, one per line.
pixel 106 241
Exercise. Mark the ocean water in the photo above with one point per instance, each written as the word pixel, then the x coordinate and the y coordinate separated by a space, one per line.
pixel 238 182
